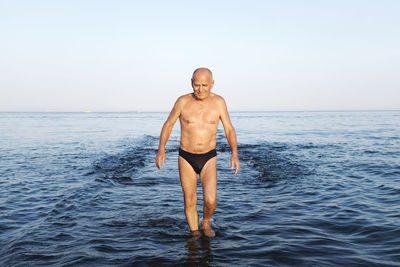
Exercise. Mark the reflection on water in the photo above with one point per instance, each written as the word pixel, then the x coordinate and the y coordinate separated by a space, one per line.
pixel 198 251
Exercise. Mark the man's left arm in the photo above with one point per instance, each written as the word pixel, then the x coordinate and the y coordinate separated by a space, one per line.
pixel 230 135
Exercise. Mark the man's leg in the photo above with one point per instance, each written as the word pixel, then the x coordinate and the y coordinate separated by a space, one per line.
pixel 208 178
pixel 189 187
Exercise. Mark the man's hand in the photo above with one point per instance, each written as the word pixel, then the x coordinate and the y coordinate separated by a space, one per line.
pixel 160 157
pixel 235 162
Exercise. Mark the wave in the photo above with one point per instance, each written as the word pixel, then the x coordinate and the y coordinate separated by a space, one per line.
pixel 123 166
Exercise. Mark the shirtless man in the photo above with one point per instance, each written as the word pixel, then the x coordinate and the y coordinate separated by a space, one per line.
pixel 199 114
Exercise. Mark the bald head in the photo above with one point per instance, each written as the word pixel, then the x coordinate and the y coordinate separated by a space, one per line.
pixel 202 71
pixel 202 83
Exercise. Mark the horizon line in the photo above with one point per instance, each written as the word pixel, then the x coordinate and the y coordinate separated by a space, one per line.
pixel 164 111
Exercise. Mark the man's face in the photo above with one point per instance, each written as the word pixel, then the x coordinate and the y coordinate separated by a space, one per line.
pixel 202 83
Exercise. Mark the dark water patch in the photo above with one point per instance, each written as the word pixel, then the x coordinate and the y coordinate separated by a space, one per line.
pixel 274 162
pixel 389 189
pixel 123 166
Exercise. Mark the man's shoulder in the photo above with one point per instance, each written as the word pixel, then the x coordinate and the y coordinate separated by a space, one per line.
pixel 183 98
pixel 186 96
pixel 219 99
pixel 181 101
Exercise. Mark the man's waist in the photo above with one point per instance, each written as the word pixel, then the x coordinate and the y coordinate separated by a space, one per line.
pixel 212 150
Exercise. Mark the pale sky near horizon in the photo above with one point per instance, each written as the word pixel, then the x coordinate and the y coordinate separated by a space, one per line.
pixel 139 55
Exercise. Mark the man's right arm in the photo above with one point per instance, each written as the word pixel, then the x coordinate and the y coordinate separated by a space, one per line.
pixel 166 131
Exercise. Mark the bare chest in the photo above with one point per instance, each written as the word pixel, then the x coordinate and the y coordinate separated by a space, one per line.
pixel 199 115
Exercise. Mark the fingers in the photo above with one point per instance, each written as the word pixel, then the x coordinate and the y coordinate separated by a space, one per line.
pixel 158 163
pixel 235 162
pixel 237 168
pixel 159 159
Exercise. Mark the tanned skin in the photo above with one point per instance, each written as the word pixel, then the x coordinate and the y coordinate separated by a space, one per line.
pixel 199 114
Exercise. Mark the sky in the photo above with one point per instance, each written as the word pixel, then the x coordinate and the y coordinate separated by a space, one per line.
pixel 116 55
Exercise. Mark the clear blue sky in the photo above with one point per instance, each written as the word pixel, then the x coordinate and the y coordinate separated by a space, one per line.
pixel 139 55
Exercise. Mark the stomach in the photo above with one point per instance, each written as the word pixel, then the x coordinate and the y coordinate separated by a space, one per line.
pixel 198 140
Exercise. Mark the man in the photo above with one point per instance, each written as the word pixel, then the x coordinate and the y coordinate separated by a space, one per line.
pixel 199 114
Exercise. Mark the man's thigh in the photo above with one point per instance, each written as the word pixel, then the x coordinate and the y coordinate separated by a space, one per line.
pixel 208 178
pixel 188 177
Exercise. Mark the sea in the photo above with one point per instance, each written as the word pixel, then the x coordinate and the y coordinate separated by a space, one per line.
pixel 314 189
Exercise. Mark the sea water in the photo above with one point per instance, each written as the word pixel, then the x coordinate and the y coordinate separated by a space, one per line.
pixel 314 189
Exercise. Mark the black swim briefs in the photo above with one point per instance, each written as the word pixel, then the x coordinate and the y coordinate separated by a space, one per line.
pixel 197 161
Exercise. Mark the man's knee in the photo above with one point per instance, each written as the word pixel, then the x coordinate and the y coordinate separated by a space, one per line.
pixel 210 202
pixel 190 201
